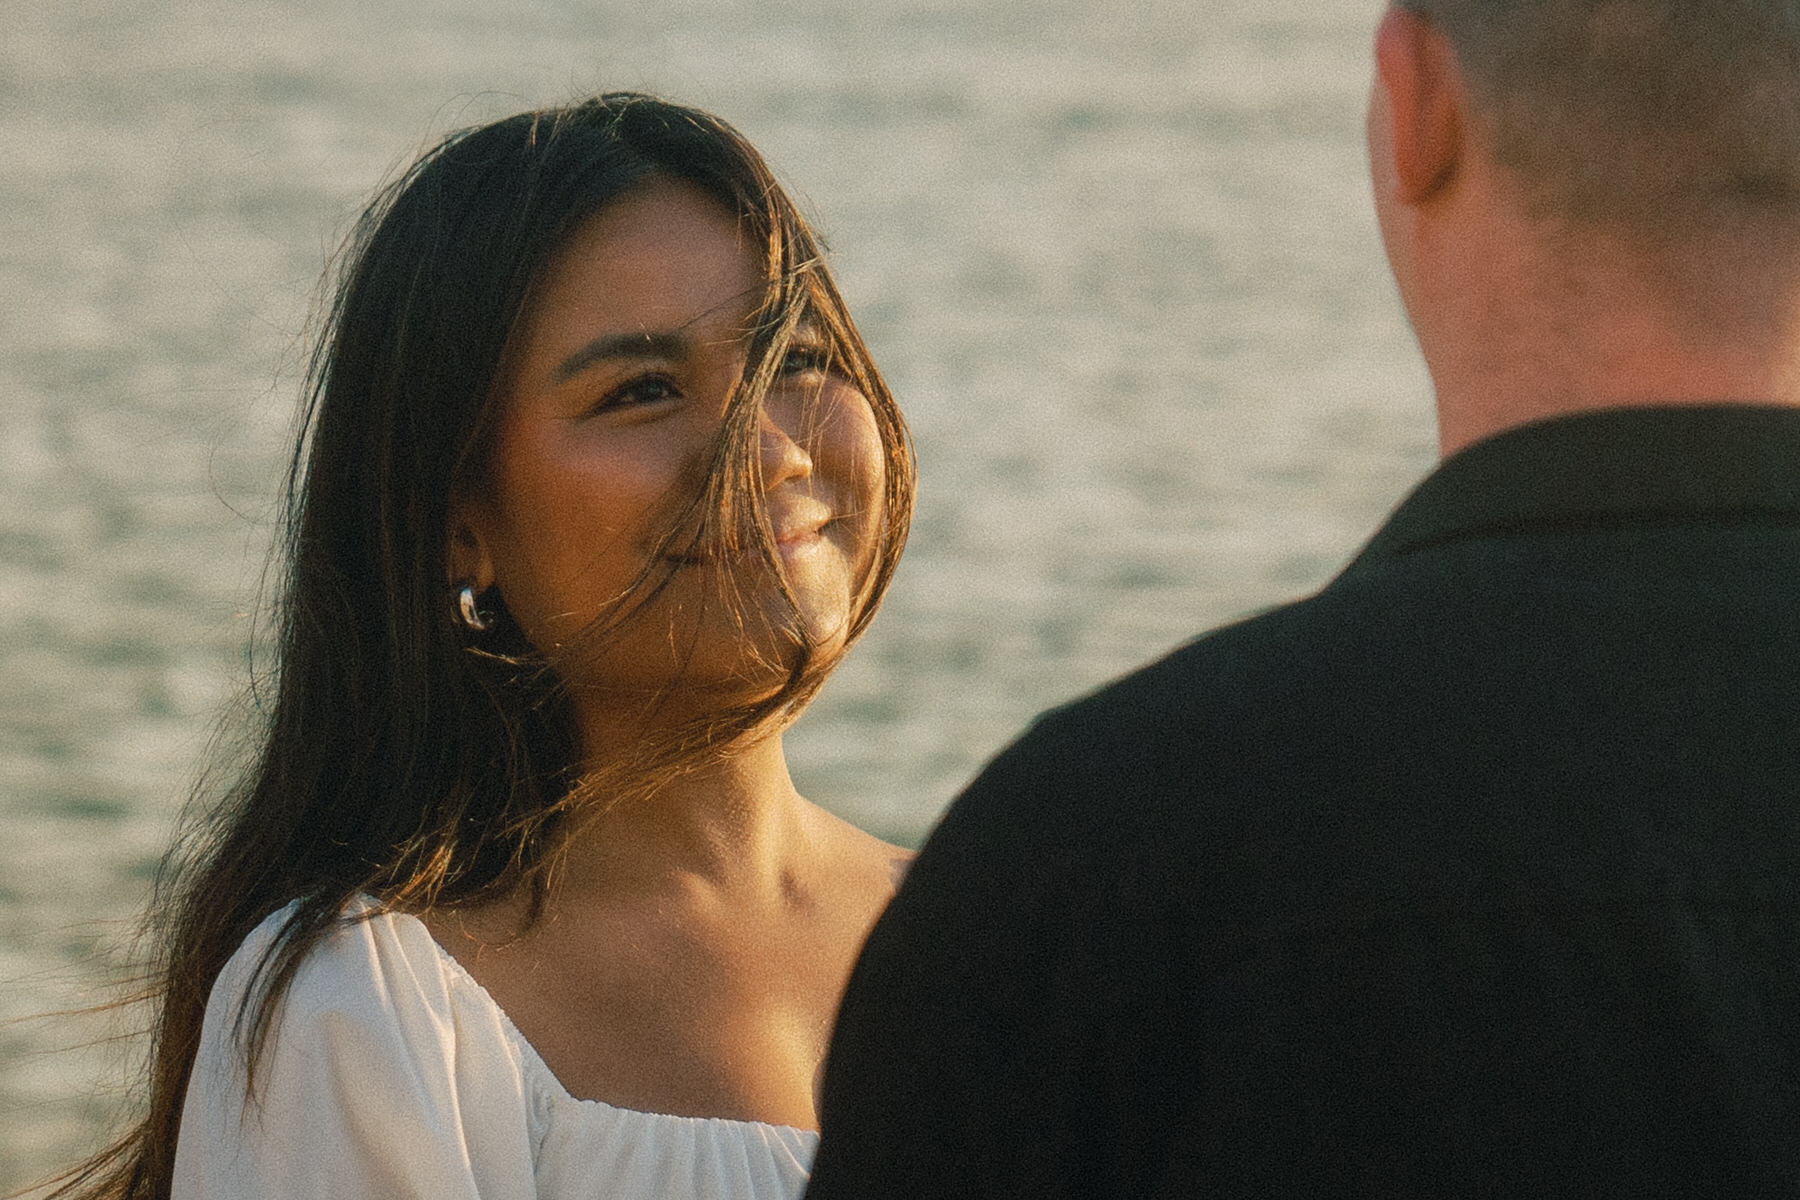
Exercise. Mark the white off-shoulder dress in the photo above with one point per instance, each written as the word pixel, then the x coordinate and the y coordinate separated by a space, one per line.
pixel 391 1074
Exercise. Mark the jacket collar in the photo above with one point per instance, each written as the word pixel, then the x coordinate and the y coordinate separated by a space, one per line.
pixel 1604 469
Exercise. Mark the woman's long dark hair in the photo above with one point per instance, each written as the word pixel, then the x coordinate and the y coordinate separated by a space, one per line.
pixel 403 758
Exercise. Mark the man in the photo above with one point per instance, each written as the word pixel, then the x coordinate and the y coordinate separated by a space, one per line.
pixel 1477 873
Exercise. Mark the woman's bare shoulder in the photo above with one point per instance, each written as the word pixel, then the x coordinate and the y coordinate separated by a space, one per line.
pixel 866 864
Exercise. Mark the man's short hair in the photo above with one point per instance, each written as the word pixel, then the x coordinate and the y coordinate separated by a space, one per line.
pixel 1667 116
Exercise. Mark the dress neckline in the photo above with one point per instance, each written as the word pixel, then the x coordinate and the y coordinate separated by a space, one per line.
pixel 542 1069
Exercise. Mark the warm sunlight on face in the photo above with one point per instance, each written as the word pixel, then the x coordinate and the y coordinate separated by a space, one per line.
pixel 612 403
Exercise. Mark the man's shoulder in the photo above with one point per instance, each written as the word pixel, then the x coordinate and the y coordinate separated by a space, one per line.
pixel 1180 717
pixel 1253 726
pixel 1245 671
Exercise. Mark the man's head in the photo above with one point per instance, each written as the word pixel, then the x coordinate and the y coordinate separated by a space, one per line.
pixel 1592 203
pixel 1666 117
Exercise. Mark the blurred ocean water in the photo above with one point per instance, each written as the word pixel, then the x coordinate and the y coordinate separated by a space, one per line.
pixel 1117 261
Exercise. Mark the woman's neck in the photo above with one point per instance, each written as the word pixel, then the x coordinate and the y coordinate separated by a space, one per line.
pixel 735 824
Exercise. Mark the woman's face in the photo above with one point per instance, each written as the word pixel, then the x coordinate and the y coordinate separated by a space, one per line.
pixel 610 405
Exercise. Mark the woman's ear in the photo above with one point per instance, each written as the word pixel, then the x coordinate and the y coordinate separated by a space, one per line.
pixel 469 560
pixel 1424 102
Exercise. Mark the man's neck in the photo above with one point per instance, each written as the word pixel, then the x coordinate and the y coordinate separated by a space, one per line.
pixel 1581 333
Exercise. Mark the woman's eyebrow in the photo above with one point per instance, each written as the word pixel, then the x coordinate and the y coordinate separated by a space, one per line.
pixel 623 345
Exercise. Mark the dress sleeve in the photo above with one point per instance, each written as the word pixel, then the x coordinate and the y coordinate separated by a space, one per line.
pixel 376 1082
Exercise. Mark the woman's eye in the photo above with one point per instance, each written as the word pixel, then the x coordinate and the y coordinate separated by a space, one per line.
pixel 635 393
pixel 803 360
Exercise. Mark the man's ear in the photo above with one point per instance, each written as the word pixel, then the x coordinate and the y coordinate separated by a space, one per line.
pixel 469 560
pixel 1426 104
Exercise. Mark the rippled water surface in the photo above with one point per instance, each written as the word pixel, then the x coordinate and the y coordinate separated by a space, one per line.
pixel 1117 261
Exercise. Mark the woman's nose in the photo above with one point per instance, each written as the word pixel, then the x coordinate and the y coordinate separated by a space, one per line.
pixel 783 457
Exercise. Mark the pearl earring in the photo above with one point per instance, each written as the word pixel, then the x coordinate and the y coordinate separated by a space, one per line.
pixel 472 616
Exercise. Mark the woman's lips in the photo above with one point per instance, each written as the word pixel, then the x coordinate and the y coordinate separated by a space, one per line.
pixel 790 539
pixel 801 536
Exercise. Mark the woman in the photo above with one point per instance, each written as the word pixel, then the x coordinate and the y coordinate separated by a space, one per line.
pixel 518 898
